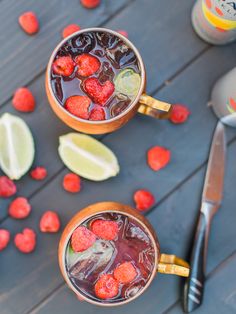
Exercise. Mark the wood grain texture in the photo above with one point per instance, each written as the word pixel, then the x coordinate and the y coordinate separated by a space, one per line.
pixel 181 140
pixel 218 299
pixel 166 40
pixel 174 236
pixel 39 274
pixel 163 33
pixel 43 122
pixel 23 57
pixel 31 58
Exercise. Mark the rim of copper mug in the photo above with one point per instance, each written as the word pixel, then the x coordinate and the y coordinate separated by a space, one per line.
pixel 129 44
pixel 153 275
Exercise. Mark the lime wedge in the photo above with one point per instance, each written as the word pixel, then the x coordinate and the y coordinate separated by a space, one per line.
pixel 128 82
pixel 16 146
pixel 87 157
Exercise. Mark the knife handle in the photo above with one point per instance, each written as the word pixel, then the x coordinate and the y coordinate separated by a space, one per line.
pixel 193 290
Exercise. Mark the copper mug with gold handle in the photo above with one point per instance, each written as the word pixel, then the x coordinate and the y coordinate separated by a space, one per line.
pixel 162 263
pixel 142 103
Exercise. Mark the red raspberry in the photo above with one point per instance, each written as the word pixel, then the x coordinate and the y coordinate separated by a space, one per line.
pixel 29 22
pixel 106 287
pixel 70 29
pixel 125 272
pixel 100 93
pixel 49 222
pixel 105 229
pixel 97 114
pixel 179 114
pixel 4 238
pixel 23 100
pixel 78 106
pixel 25 241
pixel 7 187
pixel 123 32
pixel 87 64
pixel 63 66
pixel 72 183
pixel 158 157
pixel 143 199
pixel 19 208
pixel 90 4
pixel 39 173
pixel 82 239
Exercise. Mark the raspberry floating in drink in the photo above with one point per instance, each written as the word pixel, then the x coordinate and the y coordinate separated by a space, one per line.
pixel 106 287
pixel 87 64
pixel 105 229
pixel 95 76
pixel 110 258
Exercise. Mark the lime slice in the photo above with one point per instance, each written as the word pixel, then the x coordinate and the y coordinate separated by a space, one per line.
pixel 128 82
pixel 16 146
pixel 87 157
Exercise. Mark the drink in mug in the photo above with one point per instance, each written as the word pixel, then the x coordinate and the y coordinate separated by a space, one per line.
pixel 95 82
pixel 215 20
pixel 101 79
pixel 109 254
pixel 117 262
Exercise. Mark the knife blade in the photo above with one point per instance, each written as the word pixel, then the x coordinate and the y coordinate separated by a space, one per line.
pixel 214 179
pixel 211 199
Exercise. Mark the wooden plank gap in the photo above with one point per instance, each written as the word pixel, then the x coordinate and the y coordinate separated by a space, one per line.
pixel 46 299
pixel 44 69
pixel 182 69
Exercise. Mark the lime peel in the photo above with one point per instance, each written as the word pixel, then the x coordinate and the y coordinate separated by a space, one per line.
pixel 13 145
pixel 91 165
pixel 127 82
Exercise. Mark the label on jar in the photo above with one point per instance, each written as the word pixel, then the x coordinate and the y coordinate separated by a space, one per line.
pixel 219 13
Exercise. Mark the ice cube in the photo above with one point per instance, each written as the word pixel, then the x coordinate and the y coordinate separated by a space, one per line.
pixel 118 104
pixel 81 265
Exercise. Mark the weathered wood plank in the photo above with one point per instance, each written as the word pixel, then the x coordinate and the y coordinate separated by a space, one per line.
pixel 191 87
pixel 43 116
pixel 23 57
pixel 220 294
pixel 38 274
pixel 33 54
pixel 217 300
pixel 180 139
pixel 173 230
pixel 46 128
pixel 189 143
pixel 164 35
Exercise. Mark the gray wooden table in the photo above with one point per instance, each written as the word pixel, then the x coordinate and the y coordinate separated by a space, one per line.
pixel 181 68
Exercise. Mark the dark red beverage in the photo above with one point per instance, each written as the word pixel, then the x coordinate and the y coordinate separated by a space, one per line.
pixel 115 261
pixel 95 75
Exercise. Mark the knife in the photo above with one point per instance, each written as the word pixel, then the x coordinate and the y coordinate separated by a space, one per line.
pixel 211 200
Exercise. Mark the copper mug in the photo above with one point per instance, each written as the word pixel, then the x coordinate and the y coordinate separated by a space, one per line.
pixel 142 103
pixel 166 264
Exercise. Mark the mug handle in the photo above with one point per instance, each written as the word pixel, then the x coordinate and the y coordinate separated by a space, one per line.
pixel 153 107
pixel 171 264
